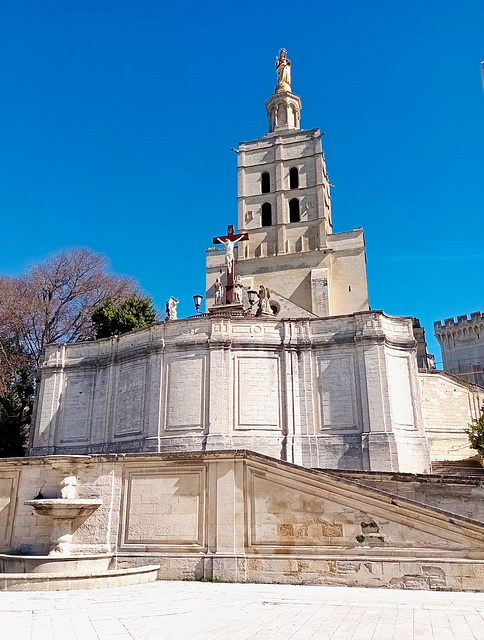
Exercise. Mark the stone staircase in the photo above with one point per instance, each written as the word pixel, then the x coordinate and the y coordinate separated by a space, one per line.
pixel 467 467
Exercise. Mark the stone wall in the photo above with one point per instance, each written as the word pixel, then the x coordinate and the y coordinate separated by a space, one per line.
pixel 235 515
pixel 449 405
pixel 462 345
pixel 336 392
pixel 463 495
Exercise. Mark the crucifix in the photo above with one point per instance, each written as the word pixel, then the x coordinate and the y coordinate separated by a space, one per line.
pixel 229 241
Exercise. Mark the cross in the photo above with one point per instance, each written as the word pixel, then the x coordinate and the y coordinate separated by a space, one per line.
pixel 229 240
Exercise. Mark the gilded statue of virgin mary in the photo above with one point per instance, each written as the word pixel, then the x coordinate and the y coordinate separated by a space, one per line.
pixel 283 68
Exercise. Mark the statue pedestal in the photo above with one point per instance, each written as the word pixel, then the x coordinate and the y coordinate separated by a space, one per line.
pixel 283 110
pixel 233 309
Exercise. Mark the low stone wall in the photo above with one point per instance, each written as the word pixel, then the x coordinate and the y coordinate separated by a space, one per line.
pixel 241 516
pixel 457 494
pixel 449 405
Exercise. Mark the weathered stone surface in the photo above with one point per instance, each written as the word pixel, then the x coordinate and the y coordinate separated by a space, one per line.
pixel 456 494
pixel 462 345
pixel 323 392
pixel 449 405
pixel 241 516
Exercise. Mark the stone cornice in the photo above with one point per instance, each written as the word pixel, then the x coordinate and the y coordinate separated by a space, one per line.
pixel 256 333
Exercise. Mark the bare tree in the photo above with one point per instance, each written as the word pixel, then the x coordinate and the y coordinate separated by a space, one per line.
pixel 54 300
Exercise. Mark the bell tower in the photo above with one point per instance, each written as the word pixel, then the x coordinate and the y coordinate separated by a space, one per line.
pixel 284 205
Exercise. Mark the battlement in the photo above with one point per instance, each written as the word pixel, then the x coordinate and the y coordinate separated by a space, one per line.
pixel 476 318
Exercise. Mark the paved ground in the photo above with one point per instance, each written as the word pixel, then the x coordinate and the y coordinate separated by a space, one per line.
pixel 205 611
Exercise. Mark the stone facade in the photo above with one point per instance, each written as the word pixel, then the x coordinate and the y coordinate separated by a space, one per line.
pixel 462 345
pixel 326 392
pixel 244 517
pixel 324 383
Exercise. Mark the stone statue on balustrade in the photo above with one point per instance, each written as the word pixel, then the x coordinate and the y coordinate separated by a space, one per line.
pixel 238 290
pixel 171 304
pixel 264 295
pixel 219 297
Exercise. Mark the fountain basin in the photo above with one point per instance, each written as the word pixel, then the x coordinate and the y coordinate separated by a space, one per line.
pixel 63 512
pixel 80 580
pixel 99 562
pixel 60 508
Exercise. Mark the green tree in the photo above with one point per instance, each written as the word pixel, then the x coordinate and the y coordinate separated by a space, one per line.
pixel 476 433
pixel 17 386
pixel 111 318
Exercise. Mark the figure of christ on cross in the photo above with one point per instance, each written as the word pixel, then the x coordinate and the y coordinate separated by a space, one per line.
pixel 229 241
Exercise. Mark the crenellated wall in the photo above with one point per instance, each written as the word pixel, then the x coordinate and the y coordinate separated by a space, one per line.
pixel 462 345
pixel 338 392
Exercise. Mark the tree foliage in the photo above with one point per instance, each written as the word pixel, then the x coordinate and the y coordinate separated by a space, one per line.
pixel 111 318
pixel 52 302
pixel 13 359
pixel 16 398
pixel 475 433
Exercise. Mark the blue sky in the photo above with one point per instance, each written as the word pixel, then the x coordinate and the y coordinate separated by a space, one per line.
pixel 117 119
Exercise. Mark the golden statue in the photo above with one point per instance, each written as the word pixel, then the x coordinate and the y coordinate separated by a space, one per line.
pixel 283 68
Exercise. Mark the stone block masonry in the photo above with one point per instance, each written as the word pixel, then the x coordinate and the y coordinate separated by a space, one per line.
pixel 462 345
pixel 449 405
pixel 241 516
pixel 339 392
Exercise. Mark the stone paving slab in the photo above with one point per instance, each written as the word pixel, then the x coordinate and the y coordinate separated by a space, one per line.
pixel 206 611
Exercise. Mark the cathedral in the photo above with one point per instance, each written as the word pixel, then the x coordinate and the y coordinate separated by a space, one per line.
pixel 287 435
pixel 289 361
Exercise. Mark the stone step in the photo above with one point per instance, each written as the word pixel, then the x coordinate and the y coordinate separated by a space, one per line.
pixel 78 580
pixel 467 467
pixel 457 471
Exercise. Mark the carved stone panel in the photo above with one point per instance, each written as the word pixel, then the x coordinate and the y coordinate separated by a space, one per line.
pixel 336 391
pixel 288 516
pixel 130 391
pixel 8 495
pixel 257 392
pixel 401 404
pixel 185 392
pixel 165 507
pixel 76 408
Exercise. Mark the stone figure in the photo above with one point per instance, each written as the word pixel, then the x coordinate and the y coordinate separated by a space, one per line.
pixel 229 252
pixel 68 487
pixel 264 296
pixel 283 68
pixel 219 297
pixel 171 308
pixel 238 289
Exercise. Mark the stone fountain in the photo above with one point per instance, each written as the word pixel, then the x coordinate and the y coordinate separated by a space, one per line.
pixel 61 568
pixel 63 512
